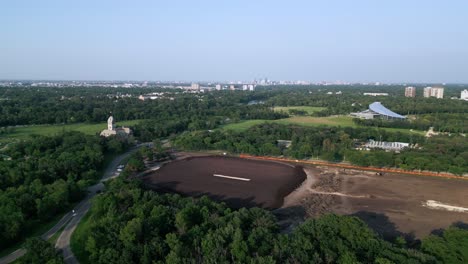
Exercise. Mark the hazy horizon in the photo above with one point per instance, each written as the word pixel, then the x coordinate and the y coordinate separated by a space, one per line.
pixel 358 41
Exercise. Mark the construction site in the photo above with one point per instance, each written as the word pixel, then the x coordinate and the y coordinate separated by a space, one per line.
pixel 393 202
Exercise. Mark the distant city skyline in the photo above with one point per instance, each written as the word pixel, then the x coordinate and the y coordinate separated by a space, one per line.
pixel 352 41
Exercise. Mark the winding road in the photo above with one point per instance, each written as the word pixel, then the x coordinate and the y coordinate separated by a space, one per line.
pixel 70 220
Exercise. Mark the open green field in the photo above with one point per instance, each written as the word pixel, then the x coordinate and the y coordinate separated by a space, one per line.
pixel 48 130
pixel 344 121
pixel 308 109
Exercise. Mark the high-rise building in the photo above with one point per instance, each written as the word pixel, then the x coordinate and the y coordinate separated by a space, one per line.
pixel 437 92
pixel 232 87
pixel 410 91
pixel 427 91
pixel 195 86
pixel 464 95
pixel 218 87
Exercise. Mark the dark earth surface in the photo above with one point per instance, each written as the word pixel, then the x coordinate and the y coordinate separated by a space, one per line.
pixel 269 181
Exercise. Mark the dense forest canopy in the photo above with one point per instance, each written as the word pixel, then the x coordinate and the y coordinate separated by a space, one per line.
pixel 26 106
pixel 128 224
pixel 44 176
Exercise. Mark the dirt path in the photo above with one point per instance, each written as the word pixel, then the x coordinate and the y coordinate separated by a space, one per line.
pixel 300 193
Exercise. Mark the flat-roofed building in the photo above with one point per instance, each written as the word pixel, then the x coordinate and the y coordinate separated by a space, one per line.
pixel 437 92
pixel 427 91
pixel 410 91
pixel 195 86
pixel 390 146
pixel 376 94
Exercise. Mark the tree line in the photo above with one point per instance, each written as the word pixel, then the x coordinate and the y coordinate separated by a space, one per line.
pixel 28 106
pixel 337 144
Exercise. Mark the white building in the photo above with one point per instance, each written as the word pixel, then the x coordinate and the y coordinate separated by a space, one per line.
pixel 112 130
pixel 390 146
pixel 437 92
pixel 376 94
pixel 410 91
pixel 218 87
pixel 464 95
pixel 427 91
pixel 195 86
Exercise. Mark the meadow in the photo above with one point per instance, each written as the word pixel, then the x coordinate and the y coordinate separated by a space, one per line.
pixel 343 121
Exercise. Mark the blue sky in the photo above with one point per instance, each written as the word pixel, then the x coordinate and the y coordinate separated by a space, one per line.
pixel 387 41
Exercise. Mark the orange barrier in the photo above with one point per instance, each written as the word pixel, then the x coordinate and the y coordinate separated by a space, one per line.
pixel 346 166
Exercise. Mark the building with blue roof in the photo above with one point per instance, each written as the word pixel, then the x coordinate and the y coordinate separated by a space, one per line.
pixel 377 110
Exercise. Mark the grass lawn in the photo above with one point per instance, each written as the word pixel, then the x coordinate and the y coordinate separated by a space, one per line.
pixel 244 125
pixel 344 121
pixel 317 121
pixel 308 109
pixel 78 239
pixel 297 120
pixel 48 130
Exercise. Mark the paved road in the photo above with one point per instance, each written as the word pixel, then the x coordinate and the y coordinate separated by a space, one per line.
pixel 20 252
pixel 63 242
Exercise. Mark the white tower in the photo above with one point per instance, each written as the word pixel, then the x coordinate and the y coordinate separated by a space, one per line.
pixel 110 123
pixel 464 95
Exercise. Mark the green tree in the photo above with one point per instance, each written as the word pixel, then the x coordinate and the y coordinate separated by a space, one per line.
pixel 40 251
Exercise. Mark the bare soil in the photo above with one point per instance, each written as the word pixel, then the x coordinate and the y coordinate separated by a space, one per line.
pixel 269 182
pixel 391 204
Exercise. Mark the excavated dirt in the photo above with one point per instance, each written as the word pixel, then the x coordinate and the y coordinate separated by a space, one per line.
pixel 391 204
pixel 265 183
